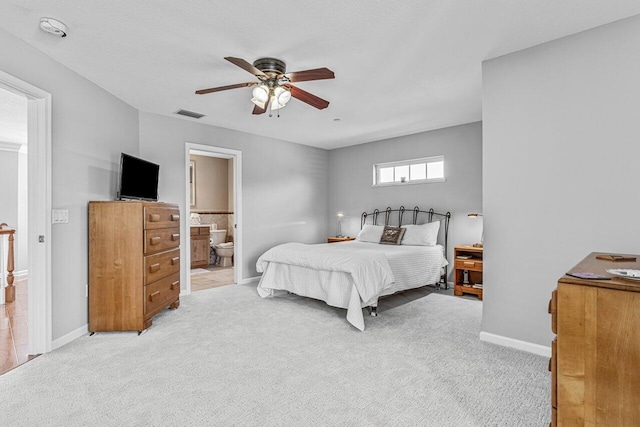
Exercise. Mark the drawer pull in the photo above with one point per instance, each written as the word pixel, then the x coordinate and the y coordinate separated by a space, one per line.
pixel 470 263
pixel 175 260
pixel 154 218
pixel 154 267
pixel 155 240
pixel 156 293
pixel 553 310
pixel 175 236
pixel 175 217
pixel 174 284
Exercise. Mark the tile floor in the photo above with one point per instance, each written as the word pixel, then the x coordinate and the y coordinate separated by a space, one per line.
pixel 215 277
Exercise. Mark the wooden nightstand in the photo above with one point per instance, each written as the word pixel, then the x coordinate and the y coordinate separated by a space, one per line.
pixel 471 262
pixel 339 239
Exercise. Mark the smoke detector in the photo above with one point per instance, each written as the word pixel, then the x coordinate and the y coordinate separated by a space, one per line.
pixel 53 26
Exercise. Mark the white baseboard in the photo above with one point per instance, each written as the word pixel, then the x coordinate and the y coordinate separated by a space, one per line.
pixel 250 280
pixel 538 349
pixel 66 339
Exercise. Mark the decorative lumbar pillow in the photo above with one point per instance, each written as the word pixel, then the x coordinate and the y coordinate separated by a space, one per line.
pixel 370 233
pixel 421 235
pixel 392 235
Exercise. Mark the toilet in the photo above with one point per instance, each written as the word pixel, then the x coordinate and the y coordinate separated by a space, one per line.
pixel 225 252
pixel 221 252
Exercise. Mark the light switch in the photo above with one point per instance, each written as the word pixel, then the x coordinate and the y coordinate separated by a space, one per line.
pixel 60 216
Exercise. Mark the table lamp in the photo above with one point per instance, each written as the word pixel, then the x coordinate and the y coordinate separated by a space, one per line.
pixel 478 245
pixel 339 215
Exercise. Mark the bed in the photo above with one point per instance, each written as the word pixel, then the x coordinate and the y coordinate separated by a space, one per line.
pixel 355 274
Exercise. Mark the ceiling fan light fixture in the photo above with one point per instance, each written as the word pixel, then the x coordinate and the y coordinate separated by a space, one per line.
pixel 260 93
pixel 282 95
pixel 258 103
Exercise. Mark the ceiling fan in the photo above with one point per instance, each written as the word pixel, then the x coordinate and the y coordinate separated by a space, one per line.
pixel 274 89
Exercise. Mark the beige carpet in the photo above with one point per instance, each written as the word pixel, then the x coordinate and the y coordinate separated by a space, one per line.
pixel 229 357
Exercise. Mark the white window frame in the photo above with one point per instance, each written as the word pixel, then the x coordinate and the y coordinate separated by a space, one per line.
pixel 427 160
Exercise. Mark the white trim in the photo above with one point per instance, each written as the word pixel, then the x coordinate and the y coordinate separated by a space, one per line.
pixel 22 274
pixel 225 153
pixel 10 146
pixel 529 347
pixel 73 335
pixel 250 280
pixel 39 216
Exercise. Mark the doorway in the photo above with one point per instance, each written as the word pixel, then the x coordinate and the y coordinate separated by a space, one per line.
pixel 213 196
pixel 32 254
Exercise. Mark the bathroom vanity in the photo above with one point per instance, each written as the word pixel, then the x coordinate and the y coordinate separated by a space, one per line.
pixel 200 246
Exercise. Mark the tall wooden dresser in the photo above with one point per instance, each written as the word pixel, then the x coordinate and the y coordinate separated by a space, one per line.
pixel 595 360
pixel 134 263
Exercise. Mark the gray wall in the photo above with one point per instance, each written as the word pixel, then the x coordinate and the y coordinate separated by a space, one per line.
pixel 560 168
pixel 351 178
pixel 21 242
pixel 285 192
pixel 90 128
pixel 212 184
pixel 9 192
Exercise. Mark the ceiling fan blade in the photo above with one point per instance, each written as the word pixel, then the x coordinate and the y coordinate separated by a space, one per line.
pixel 218 89
pixel 309 98
pixel 306 75
pixel 245 66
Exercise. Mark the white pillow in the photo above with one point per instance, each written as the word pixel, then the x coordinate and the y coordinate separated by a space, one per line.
pixel 370 233
pixel 421 235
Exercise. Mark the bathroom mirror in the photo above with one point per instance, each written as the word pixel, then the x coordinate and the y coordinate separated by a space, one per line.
pixel 192 183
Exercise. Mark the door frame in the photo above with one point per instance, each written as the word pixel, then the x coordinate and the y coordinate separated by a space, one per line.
pixel 39 210
pixel 227 153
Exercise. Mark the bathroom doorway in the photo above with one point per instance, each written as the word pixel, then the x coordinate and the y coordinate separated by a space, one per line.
pixel 213 196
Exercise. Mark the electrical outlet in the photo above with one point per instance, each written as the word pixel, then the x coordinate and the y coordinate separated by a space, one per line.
pixel 60 216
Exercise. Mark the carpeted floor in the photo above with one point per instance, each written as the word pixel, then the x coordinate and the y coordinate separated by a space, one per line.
pixel 228 357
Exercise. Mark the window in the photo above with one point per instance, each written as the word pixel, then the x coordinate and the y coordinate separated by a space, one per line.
pixel 416 171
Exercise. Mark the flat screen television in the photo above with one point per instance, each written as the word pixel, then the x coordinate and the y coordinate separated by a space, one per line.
pixel 138 179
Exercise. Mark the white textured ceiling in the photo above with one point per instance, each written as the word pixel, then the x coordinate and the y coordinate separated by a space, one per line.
pixel 13 117
pixel 401 66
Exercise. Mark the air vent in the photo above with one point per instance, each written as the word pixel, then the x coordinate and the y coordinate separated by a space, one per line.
pixel 191 114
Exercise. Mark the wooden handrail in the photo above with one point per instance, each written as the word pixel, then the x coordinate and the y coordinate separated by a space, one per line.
pixel 10 290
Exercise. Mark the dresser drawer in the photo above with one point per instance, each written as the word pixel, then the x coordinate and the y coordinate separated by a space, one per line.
pixel 553 367
pixel 161 265
pixel 161 240
pixel 553 311
pixel 161 217
pixel 469 264
pixel 160 294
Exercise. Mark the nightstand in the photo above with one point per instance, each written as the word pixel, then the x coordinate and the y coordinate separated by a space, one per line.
pixel 339 239
pixel 467 258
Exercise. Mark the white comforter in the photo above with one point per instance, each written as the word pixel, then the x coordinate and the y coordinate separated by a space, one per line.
pixel 349 275
pixel 369 269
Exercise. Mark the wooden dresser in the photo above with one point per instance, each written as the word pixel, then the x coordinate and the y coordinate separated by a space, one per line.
pixel 595 361
pixel 134 263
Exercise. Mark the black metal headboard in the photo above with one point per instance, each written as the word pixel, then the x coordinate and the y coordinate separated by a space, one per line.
pixel 415 211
